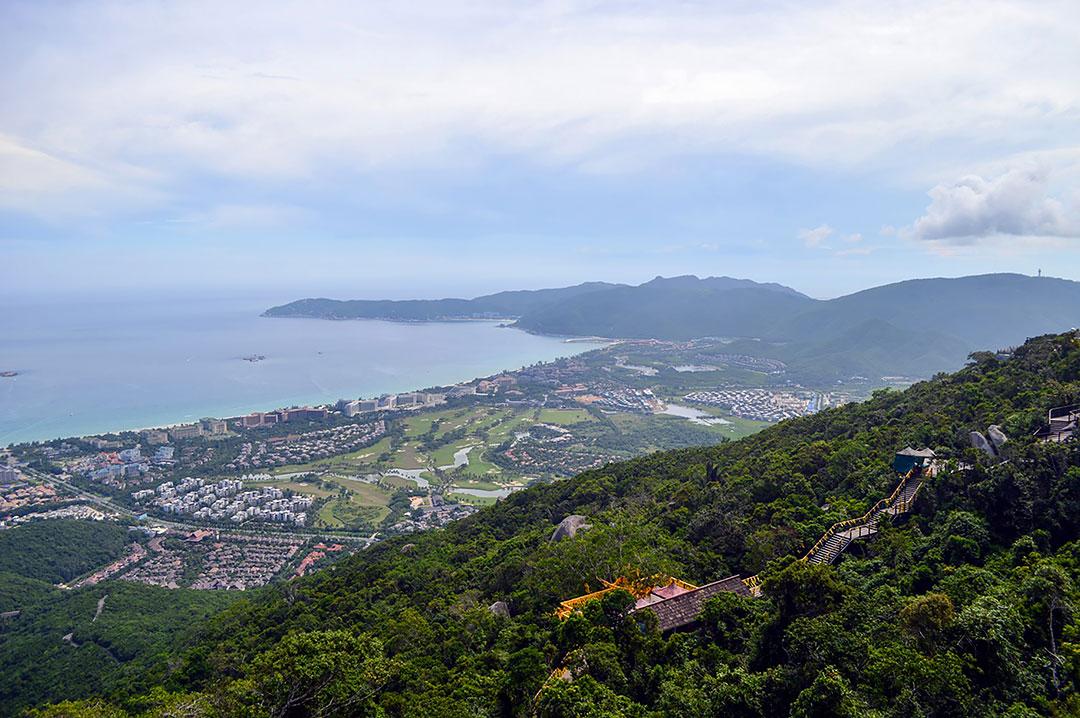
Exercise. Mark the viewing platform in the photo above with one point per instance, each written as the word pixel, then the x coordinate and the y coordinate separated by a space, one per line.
pixel 1061 424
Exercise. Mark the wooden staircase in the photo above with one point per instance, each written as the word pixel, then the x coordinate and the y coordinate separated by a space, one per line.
pixel 840 535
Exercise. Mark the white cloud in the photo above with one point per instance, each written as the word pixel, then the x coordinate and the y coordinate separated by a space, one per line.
pixel 1016 203
pixel 307 91
pixel 814 237
pixel 37 182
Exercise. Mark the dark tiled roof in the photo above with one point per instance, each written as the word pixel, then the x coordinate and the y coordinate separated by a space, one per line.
pixel 684 609
pixel 919 453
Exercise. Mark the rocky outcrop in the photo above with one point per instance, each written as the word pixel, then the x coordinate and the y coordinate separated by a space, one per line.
pixel 979 442
pixel 500 608
pixel 569 527
pixel 996 436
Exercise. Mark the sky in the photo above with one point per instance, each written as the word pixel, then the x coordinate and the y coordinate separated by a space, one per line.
pixel 388 149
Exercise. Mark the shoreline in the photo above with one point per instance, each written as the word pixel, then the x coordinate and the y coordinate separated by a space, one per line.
pixel 138 426
pixel 503 324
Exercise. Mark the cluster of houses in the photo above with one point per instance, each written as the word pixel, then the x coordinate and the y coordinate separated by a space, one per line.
pixel 758 404
pixel 243 562
pixel 614 397
pixel 113 467
pixel 439 513
pixel 225 500
pixel 309 446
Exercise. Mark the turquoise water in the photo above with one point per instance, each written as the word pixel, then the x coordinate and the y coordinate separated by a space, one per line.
pixel 89 367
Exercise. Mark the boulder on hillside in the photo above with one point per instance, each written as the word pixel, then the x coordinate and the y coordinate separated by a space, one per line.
pixel 500 608
pixel 979 442
pixel 569 527
pixel 996 436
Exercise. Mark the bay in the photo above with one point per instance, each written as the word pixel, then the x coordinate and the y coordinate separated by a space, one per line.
pixel 104 365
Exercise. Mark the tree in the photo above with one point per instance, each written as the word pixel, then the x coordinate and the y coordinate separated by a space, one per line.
pixel 927 616
pixel 321 674
pixel 829 696
pixel 800 588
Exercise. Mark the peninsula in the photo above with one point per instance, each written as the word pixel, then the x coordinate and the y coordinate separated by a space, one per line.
pixel 819 340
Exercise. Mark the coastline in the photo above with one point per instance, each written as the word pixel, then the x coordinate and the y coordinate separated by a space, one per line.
pixel 92 426
pixel 503 322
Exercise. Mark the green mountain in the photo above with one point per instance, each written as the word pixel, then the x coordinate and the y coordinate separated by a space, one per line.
pixel 677 308
pixel 914 328
pixel 502 305
pixel 967 605
pixel 984 311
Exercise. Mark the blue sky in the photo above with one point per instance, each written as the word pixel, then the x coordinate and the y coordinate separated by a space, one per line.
pixel 369 149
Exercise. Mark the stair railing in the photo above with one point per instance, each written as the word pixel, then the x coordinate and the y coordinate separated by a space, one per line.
pixel 878 507
pixel 864 527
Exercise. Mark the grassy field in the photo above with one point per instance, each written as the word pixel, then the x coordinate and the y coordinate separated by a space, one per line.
pixel 738 427
pixel 342 513
pixel 564 416
pixel 475 500
pixel 365 504
pixel 348 463
pixel 444 455
pixel 471 483
pixel 478 466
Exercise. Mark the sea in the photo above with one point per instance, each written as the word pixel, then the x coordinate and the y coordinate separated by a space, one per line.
pixel 93 366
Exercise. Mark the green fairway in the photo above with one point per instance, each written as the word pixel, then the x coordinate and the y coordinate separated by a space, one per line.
pixel 342 513
pixel 471 483
pixel 444 455
pixel 564 416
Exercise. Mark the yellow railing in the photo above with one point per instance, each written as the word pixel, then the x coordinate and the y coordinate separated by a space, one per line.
pixel 642 586
pixel 878 507
pixel 902 505
pixel 638 588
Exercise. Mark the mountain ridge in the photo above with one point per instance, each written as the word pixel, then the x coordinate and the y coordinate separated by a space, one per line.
pixel 912 328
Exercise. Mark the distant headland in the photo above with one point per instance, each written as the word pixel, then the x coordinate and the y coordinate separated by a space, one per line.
pixel 856 334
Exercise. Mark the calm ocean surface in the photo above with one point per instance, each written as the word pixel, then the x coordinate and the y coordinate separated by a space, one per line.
pixel 91 367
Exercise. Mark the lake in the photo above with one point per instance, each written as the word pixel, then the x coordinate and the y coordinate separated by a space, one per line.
pixel 90 367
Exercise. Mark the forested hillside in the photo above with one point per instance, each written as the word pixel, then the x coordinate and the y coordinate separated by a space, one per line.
pixel 501 304
pixel 677 308
pixel 58 551
pixel 937 322
pixel 964 607
pixel 98 639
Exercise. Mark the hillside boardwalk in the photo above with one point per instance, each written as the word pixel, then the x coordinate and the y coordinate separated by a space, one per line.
pixel 840 535
pixel 677 604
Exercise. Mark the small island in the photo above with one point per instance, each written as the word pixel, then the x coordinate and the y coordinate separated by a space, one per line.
pixel 254 358
pixel 8 374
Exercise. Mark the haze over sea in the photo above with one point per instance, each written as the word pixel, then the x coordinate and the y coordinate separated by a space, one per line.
pixel 106 365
